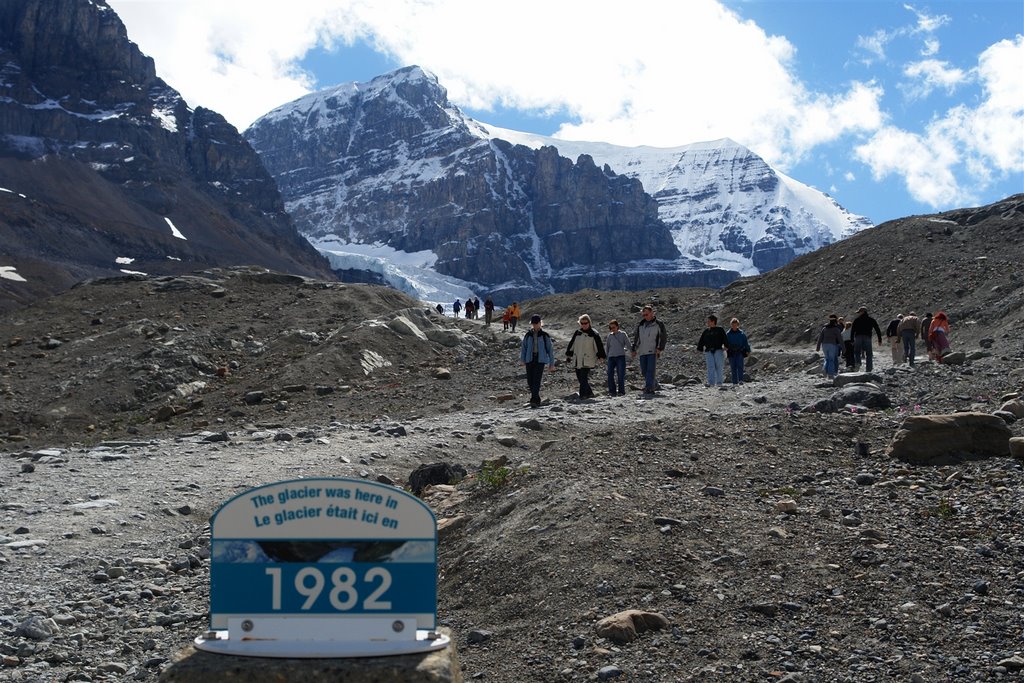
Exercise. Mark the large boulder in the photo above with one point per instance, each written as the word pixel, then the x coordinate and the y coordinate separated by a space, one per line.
pixel 624 627
pixel 866 395
pixel 946 439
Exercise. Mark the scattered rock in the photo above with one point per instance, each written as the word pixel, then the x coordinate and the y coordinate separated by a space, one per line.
pixel 624 627
pixel 946 439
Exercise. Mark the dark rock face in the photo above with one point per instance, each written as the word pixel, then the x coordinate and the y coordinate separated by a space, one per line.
pixel 104 152
pixel 391 161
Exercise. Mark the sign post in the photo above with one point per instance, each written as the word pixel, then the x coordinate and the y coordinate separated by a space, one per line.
pixel 323 568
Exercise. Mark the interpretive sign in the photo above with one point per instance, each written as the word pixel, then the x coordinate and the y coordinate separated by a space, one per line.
pixel 336 567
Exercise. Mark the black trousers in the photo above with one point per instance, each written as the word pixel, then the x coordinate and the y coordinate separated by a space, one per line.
pixel 583 375
pixel 534 374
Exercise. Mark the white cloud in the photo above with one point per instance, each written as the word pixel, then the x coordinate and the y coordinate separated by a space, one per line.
pixel 929 74
pixel 931 47
pixel 849 177
pixel 875 44
pixel 927 23
pixel 663 73
pixel 966 147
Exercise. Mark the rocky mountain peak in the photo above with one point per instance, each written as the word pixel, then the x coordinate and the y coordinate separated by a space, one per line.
pixel 101 158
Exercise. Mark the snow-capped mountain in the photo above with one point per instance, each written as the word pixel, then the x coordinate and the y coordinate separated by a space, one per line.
pixel 108 171
pixel 724 205
pixel 392 163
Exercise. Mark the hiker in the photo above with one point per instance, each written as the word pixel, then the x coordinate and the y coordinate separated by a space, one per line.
pixel 848 344
pixel 535 352
pixel 476 308
pixel 615 346
pixel 440 309
pixel 908 330
pixel 737 348
pixel 648 343
pixel 456 307
pixel 938 335
pixel 488 311
pixel 926 324
pixel 514 314
pixel 831 340
pixel 895 341
pixel 584 351
pixel 469 309
pixel 863 325
pixel 712 342
pixel 506 318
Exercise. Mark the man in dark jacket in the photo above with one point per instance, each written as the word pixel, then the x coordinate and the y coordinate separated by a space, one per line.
pixel 712 342
pixel 863 325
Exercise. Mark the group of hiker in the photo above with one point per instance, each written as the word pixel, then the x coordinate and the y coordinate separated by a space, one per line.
pixel 509 317
pixel 587 349
pixel 851 339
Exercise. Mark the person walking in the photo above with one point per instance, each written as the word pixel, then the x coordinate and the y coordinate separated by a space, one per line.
pixel 456 307
pixel 894 339
pixel 488 311
pixel 830 339
pixel 440 309
pixel 938 335
pixel 584 351
pixel 926 324
pixel 506 318
pixel 615 346
pixel 476 308
pixel 712 342
pixel 513 315
pixel 535 352
pixel 469 309
pixel 648 342
pixel 848 344
pixel 863 325
pixel 908 330
pixel 737 348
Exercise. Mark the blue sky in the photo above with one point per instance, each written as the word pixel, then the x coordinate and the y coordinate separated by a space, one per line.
pixel 894 108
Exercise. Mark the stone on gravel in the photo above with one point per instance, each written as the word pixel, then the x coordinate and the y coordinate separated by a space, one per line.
pixel 434 473
pixel 787 505
pixel 624 627
pixel 954 358
pixel 946 439
pixel 844 378
pixel 1017 447
pixel 1016 407
pixel 866 395
pixel 37 627
pixel 606 673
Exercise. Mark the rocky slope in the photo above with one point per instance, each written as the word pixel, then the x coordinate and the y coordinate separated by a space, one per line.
pixel 148 402
pixel 104 167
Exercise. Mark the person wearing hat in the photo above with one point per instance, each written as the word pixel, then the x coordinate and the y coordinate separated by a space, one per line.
pixel 535 352
pixel 863 325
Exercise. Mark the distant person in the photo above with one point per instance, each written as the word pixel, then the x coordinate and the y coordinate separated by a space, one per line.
pixel 456 307
pixel 476 308
pixel 648 343
pixel 535 352
pixel 488 311
pixel 737 348
pixel 926 324
pixel 908 330
pixel 506 318
pixel 938 335
pixel 440 309
pixel 863 326
pixel 713 342
pixel 584 352
pixel 848 354
pixel 514 315
pixel 830 340
pixel 615 346
pixel 469 308
pixel 894 339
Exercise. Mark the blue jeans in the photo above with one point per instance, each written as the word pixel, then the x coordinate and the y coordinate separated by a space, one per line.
pixel 831 358
pixel 617 366
pixel 862 348
pixel 909 345
pixel 736 367
pixel 715 361
pixel 647 363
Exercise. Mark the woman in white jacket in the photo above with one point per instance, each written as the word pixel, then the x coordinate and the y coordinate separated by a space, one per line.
pixel 585 350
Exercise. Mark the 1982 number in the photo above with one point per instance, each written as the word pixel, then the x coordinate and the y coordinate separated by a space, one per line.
pixel 309 583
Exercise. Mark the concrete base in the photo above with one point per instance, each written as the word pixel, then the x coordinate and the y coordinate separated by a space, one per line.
pixel 196 666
